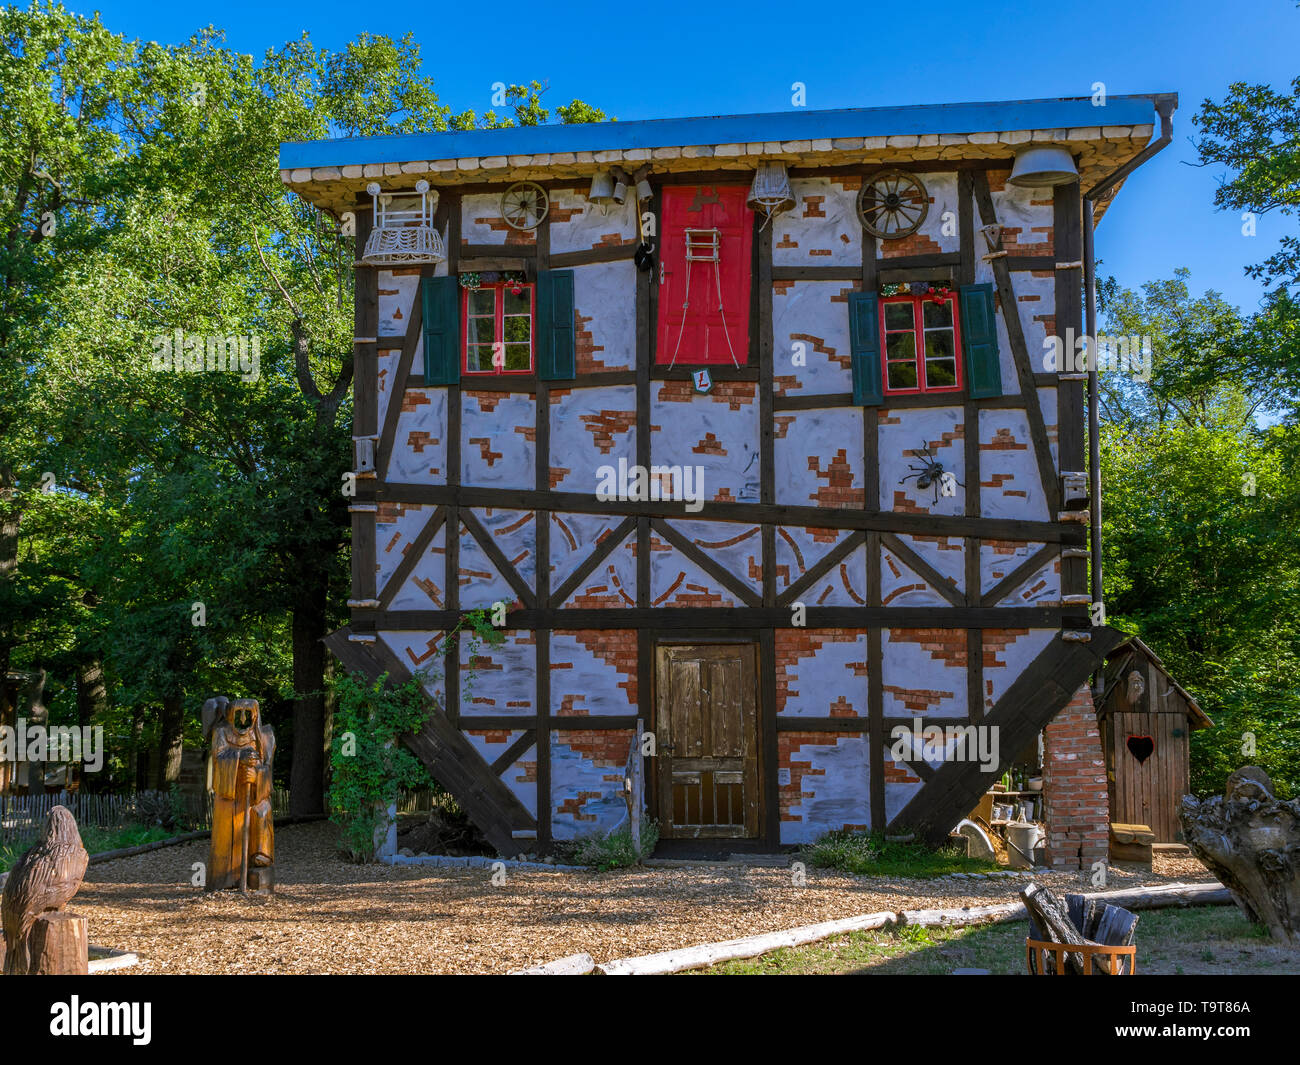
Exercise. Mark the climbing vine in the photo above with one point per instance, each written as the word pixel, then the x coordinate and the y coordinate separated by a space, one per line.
pixel 370 765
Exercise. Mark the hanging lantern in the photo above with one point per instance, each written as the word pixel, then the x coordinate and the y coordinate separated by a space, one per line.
pixel 770 192
pixel 405 235
pixel 1043 165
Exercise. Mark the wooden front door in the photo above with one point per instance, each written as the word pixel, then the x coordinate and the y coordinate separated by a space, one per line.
pixel 706 741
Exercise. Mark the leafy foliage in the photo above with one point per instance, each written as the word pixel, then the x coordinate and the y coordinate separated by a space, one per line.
pixel 613 850
pixel 370 764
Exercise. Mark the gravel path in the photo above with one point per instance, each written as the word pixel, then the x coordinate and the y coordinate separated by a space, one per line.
pixel 330 917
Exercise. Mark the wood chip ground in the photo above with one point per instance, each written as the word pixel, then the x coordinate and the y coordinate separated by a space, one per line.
pixel 331 917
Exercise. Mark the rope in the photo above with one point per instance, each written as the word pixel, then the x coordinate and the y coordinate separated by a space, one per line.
pixel 686 303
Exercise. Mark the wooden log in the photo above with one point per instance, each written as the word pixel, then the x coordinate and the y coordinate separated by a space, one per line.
pixel 1053 918
pixel 573 965
pixel 1247 838
pixel 1103 922
pixel 961 918
pixel 58 945
pixel 675 961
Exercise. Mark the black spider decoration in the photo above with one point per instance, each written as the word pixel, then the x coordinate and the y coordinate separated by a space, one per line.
pixel 932 474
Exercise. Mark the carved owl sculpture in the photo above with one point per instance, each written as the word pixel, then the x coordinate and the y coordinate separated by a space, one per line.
pixel 44 880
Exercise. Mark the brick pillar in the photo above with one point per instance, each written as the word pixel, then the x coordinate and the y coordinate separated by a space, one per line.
pixel 1075 798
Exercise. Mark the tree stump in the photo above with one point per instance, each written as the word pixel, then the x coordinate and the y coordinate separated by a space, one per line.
pixel 58 945
pixel 1250 841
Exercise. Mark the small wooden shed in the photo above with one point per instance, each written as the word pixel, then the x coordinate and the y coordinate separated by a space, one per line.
pixel 1146 720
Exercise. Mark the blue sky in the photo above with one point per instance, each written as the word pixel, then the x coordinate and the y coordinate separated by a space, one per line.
pixel 658 60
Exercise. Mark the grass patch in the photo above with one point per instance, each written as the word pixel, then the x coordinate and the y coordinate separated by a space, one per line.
pixel 870 854
pixel 1208 940
pixel 612 851
pixel 95 840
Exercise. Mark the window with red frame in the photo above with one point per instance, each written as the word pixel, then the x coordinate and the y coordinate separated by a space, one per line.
pixel 920 343
pixel 497 335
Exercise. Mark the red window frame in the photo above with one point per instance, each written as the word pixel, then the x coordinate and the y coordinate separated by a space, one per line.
pixel 498 329
pixel 918 349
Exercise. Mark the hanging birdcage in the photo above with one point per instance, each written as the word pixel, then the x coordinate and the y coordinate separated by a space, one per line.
pixel 770 192
pixel 403 235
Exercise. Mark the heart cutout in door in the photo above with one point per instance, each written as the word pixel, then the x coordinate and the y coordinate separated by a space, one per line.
pixel 1141 747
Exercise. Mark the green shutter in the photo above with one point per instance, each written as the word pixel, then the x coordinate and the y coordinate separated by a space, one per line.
pixel 441 330
pixel 556 354
pixel 864 346
pixel 979 342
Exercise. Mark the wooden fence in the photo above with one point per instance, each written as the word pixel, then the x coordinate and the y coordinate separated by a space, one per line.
pixel 23 816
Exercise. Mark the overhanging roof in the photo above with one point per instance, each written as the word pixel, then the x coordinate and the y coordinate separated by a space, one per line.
pixel 794 125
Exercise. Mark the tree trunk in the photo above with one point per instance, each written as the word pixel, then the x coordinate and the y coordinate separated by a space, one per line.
pixel 92 692
pixel 134 770
pixel 1250 841
pixel 307 770
pixel 171 727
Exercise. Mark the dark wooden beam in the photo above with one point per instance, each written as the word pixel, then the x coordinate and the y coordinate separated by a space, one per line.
pixel 607 544
pixel 512 753
pixel 819 569
pixel 1020 354
pixel 923 569
pixel 707 563
pixel 749 513
pixel 697 619
pixel 410 559
pixel 1028 567
pixel 504 566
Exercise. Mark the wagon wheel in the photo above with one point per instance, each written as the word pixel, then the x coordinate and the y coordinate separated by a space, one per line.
pixel 892 204
pixel 524 205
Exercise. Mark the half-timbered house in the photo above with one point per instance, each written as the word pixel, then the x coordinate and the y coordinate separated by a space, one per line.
pixel 752 425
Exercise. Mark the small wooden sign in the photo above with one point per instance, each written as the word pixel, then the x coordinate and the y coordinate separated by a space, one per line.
pixel 703 380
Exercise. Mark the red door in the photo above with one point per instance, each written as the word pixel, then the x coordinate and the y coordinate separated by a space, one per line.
pixel 704 276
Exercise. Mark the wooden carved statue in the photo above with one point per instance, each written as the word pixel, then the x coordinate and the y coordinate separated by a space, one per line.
pixel 40 936
pixel 239 776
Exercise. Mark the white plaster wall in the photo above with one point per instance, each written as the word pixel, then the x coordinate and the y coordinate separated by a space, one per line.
pixel 677 581
pixel 612 584
pixel 604 300
pixel 420 443
pixel 813 314
pixel 687 434
pixel 1009 662
pixel 835 788
pixel 995 563
pixel 911 666
pixel 844 585
pixel 496 449
pixel 1009 479
pixel 821 231
pixel 418 651
pixel 573 538
pixel 579 225
pixel 426 586
pixel 903 432
pixel 589 684
pixel 591 428
pixel 806 450
pixel 737 548
pixel 506 676
pixel 815 684
pixel 900 585
pixel 799 549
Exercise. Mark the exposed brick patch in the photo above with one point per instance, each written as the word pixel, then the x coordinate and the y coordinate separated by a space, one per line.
pixel 735 394
pixel 585 345
pixel 838 491
pixel 898 774
pixel 487 401
pixel 500 225
pixel 812 207
pixel 912 244
pixel 794 646
pixel 819 345
pixel 1075 800
pixel 945 645
pixel 413 399
pixel 607 425
pixel 1003 440
pixel 617 648
pixel 484 444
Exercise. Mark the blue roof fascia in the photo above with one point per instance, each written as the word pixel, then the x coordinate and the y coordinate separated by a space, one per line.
pixel 726 129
